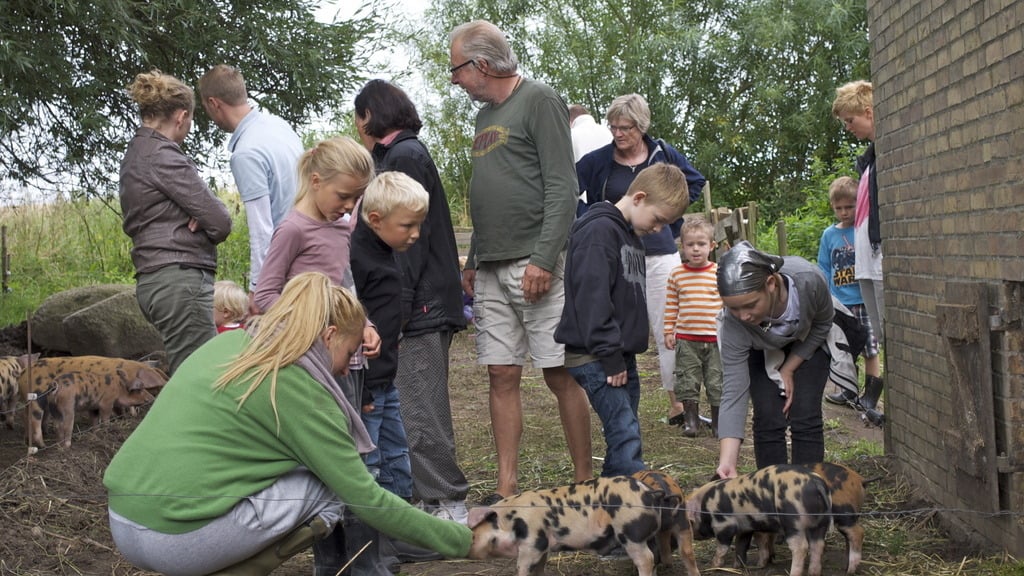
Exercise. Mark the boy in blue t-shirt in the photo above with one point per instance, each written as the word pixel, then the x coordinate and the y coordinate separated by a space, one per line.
pixel 836 260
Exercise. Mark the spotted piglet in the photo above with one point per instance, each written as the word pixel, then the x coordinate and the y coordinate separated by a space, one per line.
pixel 94 384
pixel 675 525
pixel 10 368
pixel 790 500
pixel 593 516
pixel 846 487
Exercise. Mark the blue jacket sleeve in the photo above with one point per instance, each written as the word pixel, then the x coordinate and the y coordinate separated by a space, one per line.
pixel 585 176
pixel 694 179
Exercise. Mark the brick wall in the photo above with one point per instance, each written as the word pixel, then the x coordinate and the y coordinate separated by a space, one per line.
pixel 949 113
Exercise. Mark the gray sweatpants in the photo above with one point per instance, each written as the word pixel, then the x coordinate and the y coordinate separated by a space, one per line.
pixel 422 383
pixel 252 525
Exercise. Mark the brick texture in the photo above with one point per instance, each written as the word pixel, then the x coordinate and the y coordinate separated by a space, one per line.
pixel 949 118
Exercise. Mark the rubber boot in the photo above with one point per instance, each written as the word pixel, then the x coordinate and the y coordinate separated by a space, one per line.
pixel 869 401
pixel 271 557
pixel 843 398
pixel 691 420
pixel 365 541
pixel 872 392
pixel 714 421
pixel 873 417
pixel 329 554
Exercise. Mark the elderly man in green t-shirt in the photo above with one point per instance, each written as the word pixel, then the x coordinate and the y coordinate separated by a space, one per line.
pixel 523 200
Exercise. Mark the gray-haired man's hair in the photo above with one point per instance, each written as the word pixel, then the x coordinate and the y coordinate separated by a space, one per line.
pixel 481 40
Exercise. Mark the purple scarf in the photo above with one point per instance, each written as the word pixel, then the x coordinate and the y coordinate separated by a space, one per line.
pixel 317 361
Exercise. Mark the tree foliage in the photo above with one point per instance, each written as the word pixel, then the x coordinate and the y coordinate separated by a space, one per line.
pixel 64 64
pixel 743 87
pixel 804 224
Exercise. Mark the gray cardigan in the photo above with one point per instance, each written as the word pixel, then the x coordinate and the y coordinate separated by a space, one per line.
pixel 161 190
pixel 738 340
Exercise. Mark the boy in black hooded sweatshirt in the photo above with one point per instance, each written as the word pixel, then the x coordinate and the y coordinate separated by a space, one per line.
pixel 604 320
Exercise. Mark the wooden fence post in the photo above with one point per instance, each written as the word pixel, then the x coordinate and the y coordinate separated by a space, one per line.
pixel 780 233
pixel 5 260
pixel 706 193
pixel 751 227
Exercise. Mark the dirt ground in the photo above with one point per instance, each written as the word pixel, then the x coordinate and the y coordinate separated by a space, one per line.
pixel 53 505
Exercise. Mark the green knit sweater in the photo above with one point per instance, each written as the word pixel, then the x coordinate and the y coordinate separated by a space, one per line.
pixel 196 454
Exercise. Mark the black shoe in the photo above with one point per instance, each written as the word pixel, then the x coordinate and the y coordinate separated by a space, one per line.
pixel 842 398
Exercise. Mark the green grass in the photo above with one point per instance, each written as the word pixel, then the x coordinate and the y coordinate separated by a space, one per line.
pixel 63 245
pixel 860 448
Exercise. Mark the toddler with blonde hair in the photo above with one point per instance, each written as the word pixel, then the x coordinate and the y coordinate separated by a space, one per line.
pixel 230 305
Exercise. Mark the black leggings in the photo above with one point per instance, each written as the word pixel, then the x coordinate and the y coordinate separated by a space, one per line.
pixel 804 420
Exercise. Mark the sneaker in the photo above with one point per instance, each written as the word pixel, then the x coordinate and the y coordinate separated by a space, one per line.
pixel 452 510
pixel 873 417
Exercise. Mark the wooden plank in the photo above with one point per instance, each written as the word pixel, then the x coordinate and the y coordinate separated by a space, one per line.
pixel 970 439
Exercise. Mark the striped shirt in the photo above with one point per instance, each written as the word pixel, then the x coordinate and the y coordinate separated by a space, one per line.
pixel 692 302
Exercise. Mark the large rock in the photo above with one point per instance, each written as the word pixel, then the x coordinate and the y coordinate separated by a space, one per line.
pixel 114 328
pixel 48 321
pixel 102 320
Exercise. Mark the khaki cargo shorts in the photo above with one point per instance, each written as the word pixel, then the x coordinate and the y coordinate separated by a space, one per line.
pixel 508 327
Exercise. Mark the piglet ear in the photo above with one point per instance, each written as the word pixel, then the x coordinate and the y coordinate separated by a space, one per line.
pixel 131 384
pixel 693 508
pixel 480 514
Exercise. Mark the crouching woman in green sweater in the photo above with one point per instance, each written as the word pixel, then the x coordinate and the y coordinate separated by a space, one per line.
pixel 251 451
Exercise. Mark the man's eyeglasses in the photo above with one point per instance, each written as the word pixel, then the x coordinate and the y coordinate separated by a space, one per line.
pixel 623 129
pixel 455 69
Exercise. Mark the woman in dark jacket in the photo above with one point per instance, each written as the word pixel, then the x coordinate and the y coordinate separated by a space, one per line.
pixel 432 302
pixel 606 173
pixel 172 217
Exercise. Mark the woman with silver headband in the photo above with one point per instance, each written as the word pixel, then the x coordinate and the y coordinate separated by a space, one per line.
pixel 772 333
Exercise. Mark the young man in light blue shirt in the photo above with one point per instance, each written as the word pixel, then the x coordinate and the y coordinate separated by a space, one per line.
pixel 264 154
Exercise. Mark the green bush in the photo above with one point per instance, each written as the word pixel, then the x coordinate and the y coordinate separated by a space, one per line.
pixel 805 225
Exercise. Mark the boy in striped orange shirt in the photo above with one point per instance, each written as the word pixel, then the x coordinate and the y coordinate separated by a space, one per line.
pixel 691 305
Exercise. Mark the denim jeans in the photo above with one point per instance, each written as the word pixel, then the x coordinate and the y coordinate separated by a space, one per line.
pixel 617 407
pixel 389 463
pixel 806 430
